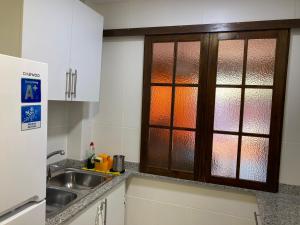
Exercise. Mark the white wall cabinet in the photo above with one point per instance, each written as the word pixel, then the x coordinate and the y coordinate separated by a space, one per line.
pixel 110 210
pixel 66 34
pixel 86 48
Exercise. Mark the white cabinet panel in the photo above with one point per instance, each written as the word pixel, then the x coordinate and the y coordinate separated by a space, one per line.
pixel 88 217
pixel 86 47
pixel 144 211
pixel 115 210
pixel 156 202
pixel 226 202
pixel 115 214
pixel 47 28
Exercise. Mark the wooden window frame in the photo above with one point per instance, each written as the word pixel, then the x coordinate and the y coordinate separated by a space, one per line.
pixel 206 101
pixel 149 40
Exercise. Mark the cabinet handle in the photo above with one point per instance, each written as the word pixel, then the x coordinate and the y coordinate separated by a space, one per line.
pixel 74 84
pixel 105 213
pixel 98 213
pixel 102 207
pixel 255 217
pixel 68 84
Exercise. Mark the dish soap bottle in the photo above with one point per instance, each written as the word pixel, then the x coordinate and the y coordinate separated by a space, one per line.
pixel 90 164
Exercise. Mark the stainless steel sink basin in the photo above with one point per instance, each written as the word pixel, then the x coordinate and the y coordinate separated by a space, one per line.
pixel 78 180
pixel 57 199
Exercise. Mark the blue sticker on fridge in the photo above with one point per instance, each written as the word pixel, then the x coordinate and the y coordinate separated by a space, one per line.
pixel 30 90
pixel 31 117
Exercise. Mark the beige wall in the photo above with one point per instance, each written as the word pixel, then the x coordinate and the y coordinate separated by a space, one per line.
pixel 10 33
pixel 117 121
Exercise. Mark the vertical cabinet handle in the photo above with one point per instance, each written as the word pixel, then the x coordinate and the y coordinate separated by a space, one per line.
pixel 68 84
pixel 74 84
pixel 101 213
pixel 105 212
pixel 255 217
pixel 98 214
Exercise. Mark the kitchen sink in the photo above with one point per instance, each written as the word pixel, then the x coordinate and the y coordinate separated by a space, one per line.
pixel 57 200
pixel 77 179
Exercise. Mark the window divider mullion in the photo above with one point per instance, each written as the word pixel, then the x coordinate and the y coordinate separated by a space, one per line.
pixel 200 145
pixel 172 107
pixel 242 109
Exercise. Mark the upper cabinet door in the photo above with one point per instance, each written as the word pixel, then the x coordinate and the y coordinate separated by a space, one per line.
pixel 47 29
pixel 86 48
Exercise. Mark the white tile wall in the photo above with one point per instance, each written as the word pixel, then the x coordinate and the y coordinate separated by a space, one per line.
pixel 137 13
pixel 117 119
pixel 57 139
pixel 291 130
pixel 220 11
pixel 122 66
pixel 119 9
pixel 108 139
pixel 289 170
pixel 58 124
pixel 165 12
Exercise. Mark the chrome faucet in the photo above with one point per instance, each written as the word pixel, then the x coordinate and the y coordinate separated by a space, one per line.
pixel 59 152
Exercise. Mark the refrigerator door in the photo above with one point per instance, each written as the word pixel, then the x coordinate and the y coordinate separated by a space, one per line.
pixel 33 215
pixel 22 148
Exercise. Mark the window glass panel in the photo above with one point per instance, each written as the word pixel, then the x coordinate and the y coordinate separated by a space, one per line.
pixel 158 147
pixel 188 58
pixel 185 107
pixel 260 61
pixel 254 158
pixel 230 62
pixel 224 155
pixel 160 108
pixel 227 109
pixel 257 111
pixel 183 150
pixel 162 62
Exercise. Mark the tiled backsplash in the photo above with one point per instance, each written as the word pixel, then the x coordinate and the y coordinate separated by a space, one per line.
pixel 58 128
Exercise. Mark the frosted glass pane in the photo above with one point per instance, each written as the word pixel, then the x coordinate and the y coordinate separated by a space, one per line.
pixel 254 158
pixel 224 155
pixel 188 58
pixel 260 61
pixel 185 107
pixel 230 62
pixel 257 111
pixel 227 109
pixel 160 107
pixel 183 150
pixel 162 62
pixel 158 147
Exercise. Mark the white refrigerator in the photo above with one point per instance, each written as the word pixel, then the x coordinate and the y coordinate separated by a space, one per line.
pixel 23 141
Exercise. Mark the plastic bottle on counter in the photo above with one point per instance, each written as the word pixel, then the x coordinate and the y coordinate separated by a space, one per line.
pixel 90 164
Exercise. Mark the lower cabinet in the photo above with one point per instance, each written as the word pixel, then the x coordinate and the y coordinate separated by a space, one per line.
pixel 109 210
pixel 157 202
